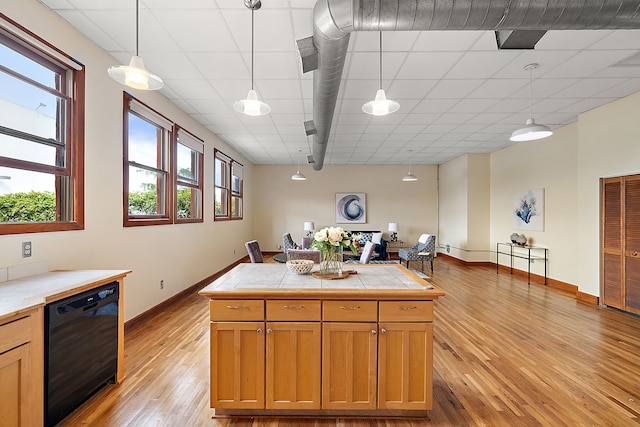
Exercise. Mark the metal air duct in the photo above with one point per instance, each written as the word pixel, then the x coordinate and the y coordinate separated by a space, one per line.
pixel 334 20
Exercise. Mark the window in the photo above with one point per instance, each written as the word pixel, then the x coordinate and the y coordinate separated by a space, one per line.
pixel 163 170
pixel 189 159
pixel 146 171
pixel 228 182
pixel 41 135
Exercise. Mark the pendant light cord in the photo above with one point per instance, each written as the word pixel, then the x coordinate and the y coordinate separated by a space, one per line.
pixel 252 49
pixel 380 59
pixel 137 25
pixel 530 91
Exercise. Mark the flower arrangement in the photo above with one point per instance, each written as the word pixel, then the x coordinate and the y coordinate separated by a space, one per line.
pixel 330 241
pixel 332 238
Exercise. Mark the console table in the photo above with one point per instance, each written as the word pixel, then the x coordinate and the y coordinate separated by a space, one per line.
pixel 530 253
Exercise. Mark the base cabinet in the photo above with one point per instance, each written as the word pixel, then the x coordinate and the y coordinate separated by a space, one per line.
pixel 293 365
pixel 315 357
pixel 21 370
pixel 237 365
pixel 405 366
pixel 349 373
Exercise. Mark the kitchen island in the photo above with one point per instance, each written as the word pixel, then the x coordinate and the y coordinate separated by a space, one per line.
pixel 287 344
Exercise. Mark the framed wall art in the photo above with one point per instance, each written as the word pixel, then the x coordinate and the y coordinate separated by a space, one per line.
pixel 528 210
pixel 351 208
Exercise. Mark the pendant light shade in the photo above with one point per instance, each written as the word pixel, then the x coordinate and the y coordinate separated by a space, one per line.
pixel 380 106
pixel 298 176
pixel 135 75
pixel 252 106
pixel 532 130
pixel 409 177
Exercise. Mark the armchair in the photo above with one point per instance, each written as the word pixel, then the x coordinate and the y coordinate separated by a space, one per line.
pixel 422 251
pixel 288 243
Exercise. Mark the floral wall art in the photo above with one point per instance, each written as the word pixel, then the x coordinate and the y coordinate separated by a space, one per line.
pixel 528 211
pixel 351 208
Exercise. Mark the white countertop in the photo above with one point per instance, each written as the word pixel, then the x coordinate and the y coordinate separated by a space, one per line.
pixel 276 278
pixel 28 292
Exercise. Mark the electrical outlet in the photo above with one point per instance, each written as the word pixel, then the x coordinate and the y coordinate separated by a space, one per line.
pixel 161 284
pixel 26 249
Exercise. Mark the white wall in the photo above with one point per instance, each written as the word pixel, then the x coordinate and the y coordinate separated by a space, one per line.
pixel 282 205
pixel 181 255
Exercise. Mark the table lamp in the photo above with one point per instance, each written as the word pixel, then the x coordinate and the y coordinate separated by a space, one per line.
pixel 393 228
pixel 309 226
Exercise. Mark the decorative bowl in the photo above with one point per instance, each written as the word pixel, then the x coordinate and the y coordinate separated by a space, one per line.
pixel 300 266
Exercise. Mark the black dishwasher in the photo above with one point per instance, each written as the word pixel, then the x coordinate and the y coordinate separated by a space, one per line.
pixel 81 349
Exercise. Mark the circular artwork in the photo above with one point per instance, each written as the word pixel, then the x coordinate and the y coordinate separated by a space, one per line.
pixel 350 208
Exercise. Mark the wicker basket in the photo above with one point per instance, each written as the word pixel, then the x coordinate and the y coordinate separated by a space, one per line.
pixel 300 266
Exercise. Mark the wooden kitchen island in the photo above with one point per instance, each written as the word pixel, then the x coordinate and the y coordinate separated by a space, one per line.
pixel 287 344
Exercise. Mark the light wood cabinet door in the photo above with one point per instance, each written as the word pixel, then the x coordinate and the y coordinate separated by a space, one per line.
pixel 349 355
pixel 405 366
pixel 293 365
pixel 14 374
pixel 237 365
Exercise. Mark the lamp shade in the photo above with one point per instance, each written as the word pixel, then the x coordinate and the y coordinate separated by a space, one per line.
pixel 252 106
pixel 135 75
pixel 393 227
pixel 531 131
pixel 409 177
pixel 380 106
pixel 298 177
pixel 309 226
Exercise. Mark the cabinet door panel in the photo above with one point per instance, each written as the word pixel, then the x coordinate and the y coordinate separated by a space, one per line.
pixel 237 365
pixel 293 365
pixel 13 393
pixel 405 366
pixel 349 365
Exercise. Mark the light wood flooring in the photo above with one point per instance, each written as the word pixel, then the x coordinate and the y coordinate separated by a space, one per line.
pixel 505 354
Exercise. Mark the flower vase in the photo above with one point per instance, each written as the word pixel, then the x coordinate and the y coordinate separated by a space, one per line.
pixel 331 262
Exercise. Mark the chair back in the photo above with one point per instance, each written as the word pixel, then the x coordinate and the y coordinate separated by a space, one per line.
pixel 288 243
pixel 304 254
pixel 253 249
pixel 367 252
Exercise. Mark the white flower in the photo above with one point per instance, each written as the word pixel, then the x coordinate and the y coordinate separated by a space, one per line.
pixel 321 235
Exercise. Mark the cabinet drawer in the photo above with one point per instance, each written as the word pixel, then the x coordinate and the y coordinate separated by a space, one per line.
pixel 350 311
pixel 406 311
pixel 14 334
pixel 293 310
pixel 236 309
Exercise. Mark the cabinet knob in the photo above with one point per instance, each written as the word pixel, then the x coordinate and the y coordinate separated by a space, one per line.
pixel 634 254
pixel 294 307
pixel 237 307
pixel 269 330
pixel 259 330
pixel 406 308
pixel 383 331
pixel 353 307
pixel 374 332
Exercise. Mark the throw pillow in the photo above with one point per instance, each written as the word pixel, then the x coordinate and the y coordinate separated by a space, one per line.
pixel 376 238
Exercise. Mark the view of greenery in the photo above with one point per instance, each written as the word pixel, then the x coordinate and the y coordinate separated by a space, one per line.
pixel 34 206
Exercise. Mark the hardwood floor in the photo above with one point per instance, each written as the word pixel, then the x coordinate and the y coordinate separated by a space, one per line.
pixel 505 354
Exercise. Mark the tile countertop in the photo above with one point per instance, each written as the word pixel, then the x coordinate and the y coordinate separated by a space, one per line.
pixel 29 292
pixel 246 279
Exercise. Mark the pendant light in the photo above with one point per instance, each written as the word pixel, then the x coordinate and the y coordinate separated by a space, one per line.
pixel 252 106
pixel 409 177
pixel 532 130
pixel 298 176
pixel 380 106
pixel 135 75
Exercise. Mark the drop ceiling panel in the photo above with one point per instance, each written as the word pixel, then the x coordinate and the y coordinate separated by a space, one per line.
pixel 457 92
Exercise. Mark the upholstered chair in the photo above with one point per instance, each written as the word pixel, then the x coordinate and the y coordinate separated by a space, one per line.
pixel 288 243
pixel 253 248
pixel 422 251
pixel 311 254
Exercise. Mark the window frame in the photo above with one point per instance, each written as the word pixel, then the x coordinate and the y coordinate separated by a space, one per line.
pixel 228 187
pixel 199 185
pixel 168 216
pixel 72 89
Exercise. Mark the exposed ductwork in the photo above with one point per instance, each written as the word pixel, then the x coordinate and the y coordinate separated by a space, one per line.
pixel 335 20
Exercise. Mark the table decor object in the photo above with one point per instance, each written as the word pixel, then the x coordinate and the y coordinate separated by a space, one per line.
pixel 331 241
pixel 300 266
